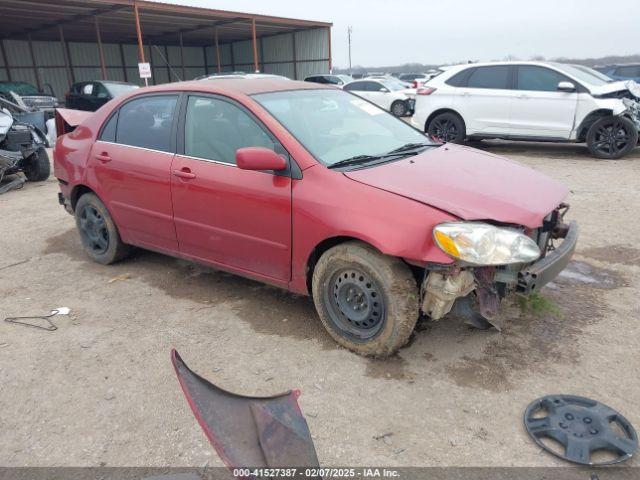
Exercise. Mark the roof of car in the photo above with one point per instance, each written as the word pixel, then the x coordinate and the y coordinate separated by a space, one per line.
pixel 247 86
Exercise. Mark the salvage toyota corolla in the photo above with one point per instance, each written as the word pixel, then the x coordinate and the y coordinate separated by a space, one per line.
pixel 318 191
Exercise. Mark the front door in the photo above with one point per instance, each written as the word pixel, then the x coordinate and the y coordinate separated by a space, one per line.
pixel 131 162
pixel 224 215
pixel 540 109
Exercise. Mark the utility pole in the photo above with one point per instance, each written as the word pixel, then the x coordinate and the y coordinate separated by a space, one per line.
pixel 349 30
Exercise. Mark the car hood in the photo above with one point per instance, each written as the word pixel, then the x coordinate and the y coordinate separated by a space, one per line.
pixel 630 85
pixel 470 184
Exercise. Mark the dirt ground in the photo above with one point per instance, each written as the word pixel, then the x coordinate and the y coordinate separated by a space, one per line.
pixel 101 390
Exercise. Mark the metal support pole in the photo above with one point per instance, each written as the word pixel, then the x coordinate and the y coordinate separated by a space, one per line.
pixel 103 67
pixel 33 63
pixel 206 63
pixel 215 36
pixel 184 76
pixel 255 45
pixel 4 60
pixel 295 56
pixel 330 61
pixel 139 33
pixel 124 65
pixel 66 56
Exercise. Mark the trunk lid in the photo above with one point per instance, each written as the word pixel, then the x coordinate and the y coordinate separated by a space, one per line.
pixel 469 183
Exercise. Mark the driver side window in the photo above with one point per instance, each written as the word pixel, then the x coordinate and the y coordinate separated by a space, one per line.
pixel 215 129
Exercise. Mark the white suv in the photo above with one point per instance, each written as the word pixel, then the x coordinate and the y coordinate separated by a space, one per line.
pixel 535 101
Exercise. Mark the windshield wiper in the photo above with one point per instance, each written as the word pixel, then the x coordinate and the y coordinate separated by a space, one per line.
pixel 410 146
pixel 358 159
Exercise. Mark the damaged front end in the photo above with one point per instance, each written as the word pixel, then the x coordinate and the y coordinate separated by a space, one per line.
pixel 628 94
pixel 475 291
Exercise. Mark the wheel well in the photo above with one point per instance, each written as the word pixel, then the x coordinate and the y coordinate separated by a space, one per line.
pixel 590 120
pixel 77 192
pixel 320 249
pixel 443 110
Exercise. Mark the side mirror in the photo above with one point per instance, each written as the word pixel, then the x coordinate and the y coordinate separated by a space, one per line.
pixel 384 90
pixel 566 87
pixel 259 158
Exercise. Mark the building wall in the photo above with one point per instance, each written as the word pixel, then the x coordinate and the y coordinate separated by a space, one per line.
pixel 294 55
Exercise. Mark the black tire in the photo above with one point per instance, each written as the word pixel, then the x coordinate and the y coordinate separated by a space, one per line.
pixel 36 167
pixel 446 128
pixel 399 108
pixel 99 234
pixel 352 275
pixel 612 137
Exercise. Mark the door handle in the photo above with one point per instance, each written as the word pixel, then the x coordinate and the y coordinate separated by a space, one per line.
pixel 524 97
pixel 103 157
pixel 184 173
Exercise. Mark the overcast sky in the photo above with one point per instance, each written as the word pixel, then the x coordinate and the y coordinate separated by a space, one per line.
pixel 391 32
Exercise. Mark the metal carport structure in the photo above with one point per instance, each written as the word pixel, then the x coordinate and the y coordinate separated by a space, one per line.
pixel 59 42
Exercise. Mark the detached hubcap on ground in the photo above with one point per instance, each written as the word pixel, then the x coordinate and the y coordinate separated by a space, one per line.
pixel 94 230
pixel 356 305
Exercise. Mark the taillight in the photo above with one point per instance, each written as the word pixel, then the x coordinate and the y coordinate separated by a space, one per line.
pixel 425 91
pixel 414 84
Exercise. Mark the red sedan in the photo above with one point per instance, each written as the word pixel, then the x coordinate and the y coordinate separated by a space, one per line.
pixel 317 191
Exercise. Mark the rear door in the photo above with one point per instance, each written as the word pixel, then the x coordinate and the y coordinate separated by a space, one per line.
pixel 131 163
pixel 485 99
pixel 224 215
pixel 540 109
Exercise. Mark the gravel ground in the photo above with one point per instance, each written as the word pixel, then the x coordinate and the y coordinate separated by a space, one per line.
pixel 101 390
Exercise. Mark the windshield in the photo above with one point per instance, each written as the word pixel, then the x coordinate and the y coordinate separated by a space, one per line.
pixel 393 84
pixel 581 75
pixel 116 89
pixel 335 125
pixel 21 88
pixel 593 72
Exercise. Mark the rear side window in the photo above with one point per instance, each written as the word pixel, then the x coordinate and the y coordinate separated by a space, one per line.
pixel 146 122
pixel 489 77
pixel 109 130
pixel 459 79
pixel 87 89
pixel 356 86
pixel 538 79
pixel 215 129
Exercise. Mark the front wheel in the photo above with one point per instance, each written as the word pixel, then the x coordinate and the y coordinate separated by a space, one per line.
pixel 368 302
pixel 399 108
pixel 447 128
pixel 612 137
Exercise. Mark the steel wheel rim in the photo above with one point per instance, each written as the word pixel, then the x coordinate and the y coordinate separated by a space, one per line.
pixel 444 130
pixel 611 138
pixel 93 230
pixel 356 304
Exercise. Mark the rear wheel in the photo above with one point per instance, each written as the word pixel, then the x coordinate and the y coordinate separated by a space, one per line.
pixel 612 137
pixel 36 167
pixel 99 235
pixel 368 302
pixel 399 108
pixel 447 128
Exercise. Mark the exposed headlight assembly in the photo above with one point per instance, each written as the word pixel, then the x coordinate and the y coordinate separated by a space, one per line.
pixel 480 244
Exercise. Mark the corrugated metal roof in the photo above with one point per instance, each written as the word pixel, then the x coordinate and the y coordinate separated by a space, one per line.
pixel 162 23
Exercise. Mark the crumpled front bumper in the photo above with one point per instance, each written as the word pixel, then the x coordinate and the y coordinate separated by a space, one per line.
pixel 533 277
